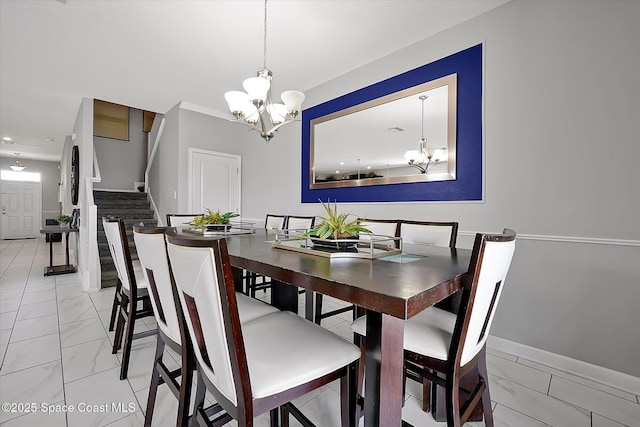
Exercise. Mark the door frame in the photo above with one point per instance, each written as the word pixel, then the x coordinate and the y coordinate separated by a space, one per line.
pixel 193 151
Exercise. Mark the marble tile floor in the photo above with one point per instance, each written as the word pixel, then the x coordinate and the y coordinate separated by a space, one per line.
pixel 55 351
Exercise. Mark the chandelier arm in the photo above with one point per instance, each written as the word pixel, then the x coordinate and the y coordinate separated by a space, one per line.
pixel 276 127
pixel 417 166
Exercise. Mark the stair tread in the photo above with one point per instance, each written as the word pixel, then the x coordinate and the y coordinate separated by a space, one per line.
pixel 134 209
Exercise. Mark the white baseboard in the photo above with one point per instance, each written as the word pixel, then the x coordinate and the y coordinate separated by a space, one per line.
pixel 597 373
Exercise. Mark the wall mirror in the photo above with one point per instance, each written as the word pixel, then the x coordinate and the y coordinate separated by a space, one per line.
pixel 358 147
pixel 406 136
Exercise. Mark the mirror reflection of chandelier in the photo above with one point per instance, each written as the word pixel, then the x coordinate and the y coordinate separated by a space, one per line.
pixel 254 107
pixel 425 157
pixel 17 166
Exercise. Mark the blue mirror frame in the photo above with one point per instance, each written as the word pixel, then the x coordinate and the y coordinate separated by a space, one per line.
pixel 467 186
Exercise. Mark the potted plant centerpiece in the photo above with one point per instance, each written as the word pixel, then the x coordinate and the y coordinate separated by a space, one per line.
pixel 336 227
pixel 213 221
pixel 64 220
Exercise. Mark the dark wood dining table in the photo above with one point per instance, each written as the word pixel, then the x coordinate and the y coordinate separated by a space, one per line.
pixel 389 291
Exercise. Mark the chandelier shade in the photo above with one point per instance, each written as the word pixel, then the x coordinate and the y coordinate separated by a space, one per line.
pixel 254 107
pixel 17 166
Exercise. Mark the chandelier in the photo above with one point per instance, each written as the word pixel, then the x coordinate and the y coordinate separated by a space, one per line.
pixel 17 166
pixel 255 107
pixel 425 157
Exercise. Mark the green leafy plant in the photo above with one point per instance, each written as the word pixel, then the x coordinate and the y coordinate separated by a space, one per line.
pixel 211 217
pixel 64 219
pixel 336 225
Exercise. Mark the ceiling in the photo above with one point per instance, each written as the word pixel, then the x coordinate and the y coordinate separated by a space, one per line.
pixel 153 54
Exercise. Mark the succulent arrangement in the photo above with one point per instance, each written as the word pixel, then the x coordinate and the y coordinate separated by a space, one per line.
pixel 211 218
pixel 336 225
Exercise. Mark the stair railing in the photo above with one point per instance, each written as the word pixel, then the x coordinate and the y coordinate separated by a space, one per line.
pixel 148 169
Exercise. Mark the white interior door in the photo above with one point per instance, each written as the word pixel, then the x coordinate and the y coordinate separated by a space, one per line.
pixel 21 209
pixel 215 181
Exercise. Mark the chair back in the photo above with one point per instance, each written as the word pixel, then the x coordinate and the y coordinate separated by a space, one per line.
pixel 483 285
pixel 381 227
pixel 300 222
pixel 429 233
pixel 204 280
pixel 275 222
pixel 180 220
pixel 116 234
pixel 152 252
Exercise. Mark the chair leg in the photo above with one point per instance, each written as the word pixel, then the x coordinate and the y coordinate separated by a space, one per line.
pixel 453 400
pixel 486 398
pixel 273 416
pixel 186 380
pixel 318 314
pixel 426 394
pixel 360 342
pixel 198 403
pixel 117 297
pixel 284 417
pixel 155 382
pixel 128 338
pixel 349 396
pixel 252 286
pixel 117 340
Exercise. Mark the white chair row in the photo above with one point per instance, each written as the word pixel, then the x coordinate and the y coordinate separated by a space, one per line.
pixel 250 356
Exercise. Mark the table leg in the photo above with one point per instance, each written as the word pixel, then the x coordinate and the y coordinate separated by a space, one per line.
pixel 283 296
pixel 383 370
pixel 66 251
pixel 50 250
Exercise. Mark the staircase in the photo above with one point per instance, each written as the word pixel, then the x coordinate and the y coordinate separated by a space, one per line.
pixel 134 208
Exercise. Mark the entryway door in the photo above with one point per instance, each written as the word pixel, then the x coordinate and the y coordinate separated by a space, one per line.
pixel 215 181
pixel 21 209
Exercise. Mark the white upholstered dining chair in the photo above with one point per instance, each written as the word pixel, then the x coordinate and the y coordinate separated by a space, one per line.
pixel 180 220
pixel 131 289
pixel 151 247
pixel 443 347
pixel 262 365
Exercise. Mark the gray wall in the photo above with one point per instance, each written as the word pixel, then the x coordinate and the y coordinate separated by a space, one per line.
pixel 50 177
pixel 122 163
pixel 184 129
pixel 561 155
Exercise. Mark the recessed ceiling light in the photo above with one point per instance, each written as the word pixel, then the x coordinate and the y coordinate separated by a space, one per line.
pixel 395 129
pixel 341 163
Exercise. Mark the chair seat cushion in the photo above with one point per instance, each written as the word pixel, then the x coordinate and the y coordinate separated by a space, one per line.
pixel 284 350
pixel 250 308
pixel 141 280
pixel 427 333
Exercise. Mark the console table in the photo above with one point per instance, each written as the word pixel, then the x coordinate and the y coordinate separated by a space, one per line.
pixel 52 270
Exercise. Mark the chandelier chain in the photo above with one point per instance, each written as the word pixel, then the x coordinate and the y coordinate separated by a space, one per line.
pixel 264 62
